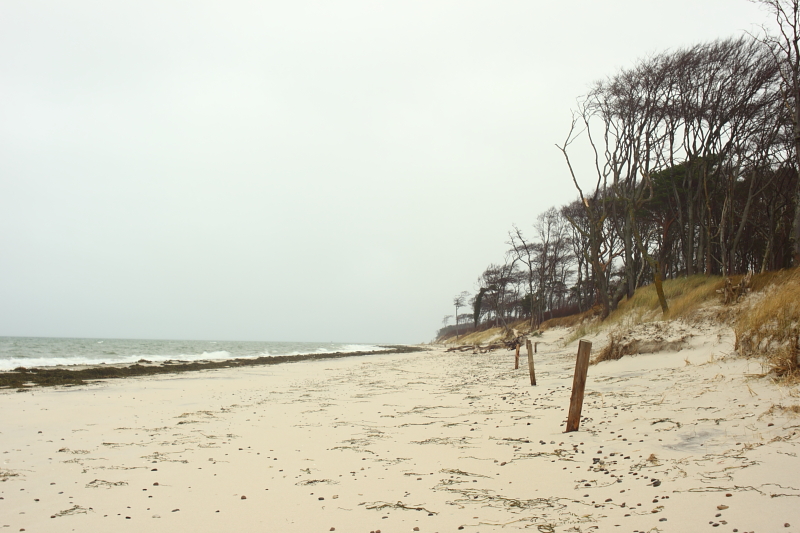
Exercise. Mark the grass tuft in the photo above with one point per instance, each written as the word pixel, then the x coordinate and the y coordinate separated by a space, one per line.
pixel 769 325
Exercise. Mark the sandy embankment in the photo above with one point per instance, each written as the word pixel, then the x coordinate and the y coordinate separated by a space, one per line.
pixel 684 441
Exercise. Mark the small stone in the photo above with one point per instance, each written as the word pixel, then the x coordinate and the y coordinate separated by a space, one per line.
pixel 244 497
pixel 662 519
pixel 786 524
pixel 416 529
pixel 728 495
pixel 320 498
pixel 722 507
pixel 155 484
pixel 332 529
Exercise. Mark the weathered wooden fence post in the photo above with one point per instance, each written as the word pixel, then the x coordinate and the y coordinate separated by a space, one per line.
pixel 516 358
pixel 530 360
pixel 578 384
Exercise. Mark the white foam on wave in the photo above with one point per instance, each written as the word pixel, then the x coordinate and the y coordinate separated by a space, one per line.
pixel 39 362
pixel 109 359
pixel 347 348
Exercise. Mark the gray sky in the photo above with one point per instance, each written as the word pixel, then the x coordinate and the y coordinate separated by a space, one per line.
pixel 290 170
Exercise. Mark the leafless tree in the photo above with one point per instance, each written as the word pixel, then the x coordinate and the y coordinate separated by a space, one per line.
pixel 526 254
pixel 595 206
pixel 459 300
pixel 786 47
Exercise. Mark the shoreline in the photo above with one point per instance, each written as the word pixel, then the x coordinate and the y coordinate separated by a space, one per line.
pixel 23 378
pixel 673 441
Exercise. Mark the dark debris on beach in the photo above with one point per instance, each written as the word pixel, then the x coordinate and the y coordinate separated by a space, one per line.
pixel 22 378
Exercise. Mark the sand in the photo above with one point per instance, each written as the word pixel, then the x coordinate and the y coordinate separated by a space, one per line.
pixel 692 440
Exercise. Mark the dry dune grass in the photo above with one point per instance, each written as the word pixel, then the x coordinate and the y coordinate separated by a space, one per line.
pixel 490 335
pixel 571 320
pixel 684 295
pixel 769 325
pixel 476 337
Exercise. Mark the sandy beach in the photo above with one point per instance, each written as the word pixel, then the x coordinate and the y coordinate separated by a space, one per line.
pixel 431 441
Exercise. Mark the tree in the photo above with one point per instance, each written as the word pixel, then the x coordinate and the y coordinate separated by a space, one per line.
pixel 787 52
pixel 526 254
pixel 477 306
pixel 595 208
pixel 459 300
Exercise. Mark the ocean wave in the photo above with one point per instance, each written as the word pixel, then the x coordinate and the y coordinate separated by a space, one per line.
pixel 110 358
pixel 38 362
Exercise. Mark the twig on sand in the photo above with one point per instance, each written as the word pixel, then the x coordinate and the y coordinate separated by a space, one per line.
pixel 399 505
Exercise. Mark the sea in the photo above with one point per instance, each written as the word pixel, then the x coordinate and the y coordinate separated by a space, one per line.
pixel 33 352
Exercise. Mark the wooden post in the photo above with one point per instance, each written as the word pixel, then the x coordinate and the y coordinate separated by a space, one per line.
pixel 578 384
pixel 530 361
pixel 516 358
pixel 535 347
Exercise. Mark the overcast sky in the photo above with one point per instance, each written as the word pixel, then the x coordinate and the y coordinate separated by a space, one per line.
pixel 290 170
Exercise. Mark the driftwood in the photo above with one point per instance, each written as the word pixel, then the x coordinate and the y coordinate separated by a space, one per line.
pixel 465 348
pixel 487 348
pixel 732 293
pixel 513 344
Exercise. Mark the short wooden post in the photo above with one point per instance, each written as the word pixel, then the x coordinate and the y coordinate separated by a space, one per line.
pixel 578 384
pixel 516 358
pixel 535 347
pixel 530 361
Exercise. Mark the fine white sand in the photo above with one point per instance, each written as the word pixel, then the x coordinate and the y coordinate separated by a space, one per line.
pixel 683 441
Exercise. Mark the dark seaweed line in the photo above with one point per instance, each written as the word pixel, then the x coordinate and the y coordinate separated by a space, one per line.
pixel 21 377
